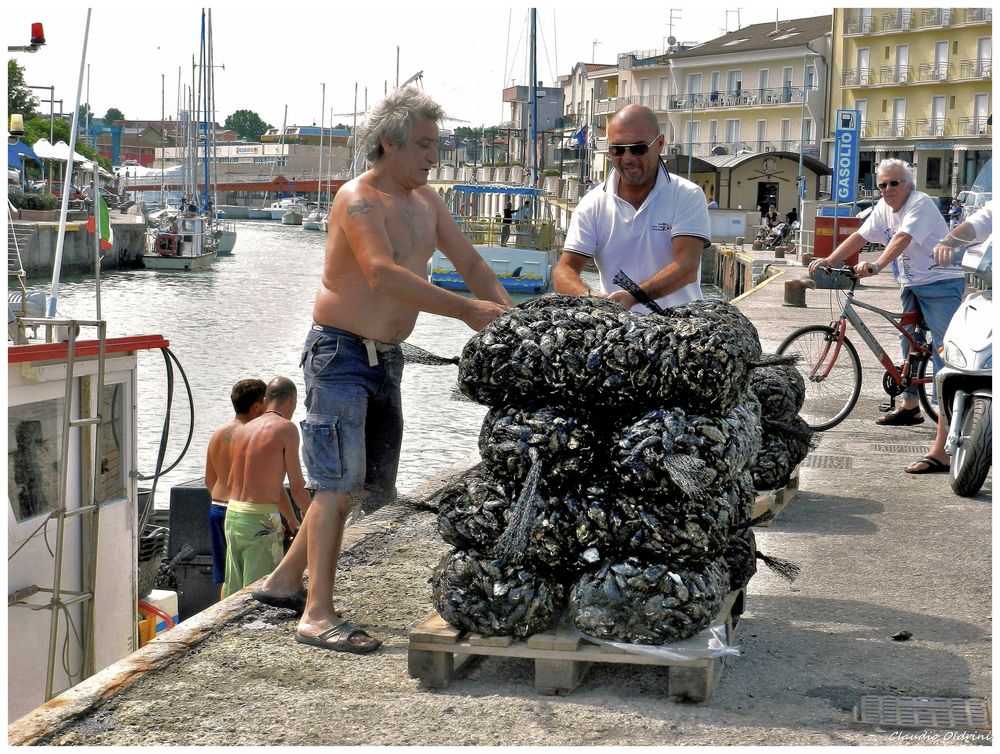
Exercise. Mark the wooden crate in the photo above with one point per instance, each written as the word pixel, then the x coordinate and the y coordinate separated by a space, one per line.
pixel 437 650
pixel 776 500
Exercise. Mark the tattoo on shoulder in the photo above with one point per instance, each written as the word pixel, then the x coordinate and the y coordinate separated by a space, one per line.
pixel 362 207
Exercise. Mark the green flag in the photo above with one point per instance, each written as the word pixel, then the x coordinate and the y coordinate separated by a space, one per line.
pixel 107 234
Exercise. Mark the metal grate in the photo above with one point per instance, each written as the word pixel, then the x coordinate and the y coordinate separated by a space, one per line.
pixel 891 448
pixel 814 461
pixel 924 712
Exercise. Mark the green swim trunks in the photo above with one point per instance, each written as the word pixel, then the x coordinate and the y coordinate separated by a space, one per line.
pixel 253 543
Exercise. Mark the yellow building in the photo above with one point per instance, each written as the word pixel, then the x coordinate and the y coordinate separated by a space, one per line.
pixel 921 79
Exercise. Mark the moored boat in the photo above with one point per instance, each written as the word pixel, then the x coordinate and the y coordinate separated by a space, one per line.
pixel 186 243
pixel 521 254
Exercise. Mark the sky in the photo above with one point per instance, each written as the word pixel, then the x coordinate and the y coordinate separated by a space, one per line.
pixel 277 55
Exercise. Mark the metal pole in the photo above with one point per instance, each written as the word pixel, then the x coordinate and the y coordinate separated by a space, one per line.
pixel 64 209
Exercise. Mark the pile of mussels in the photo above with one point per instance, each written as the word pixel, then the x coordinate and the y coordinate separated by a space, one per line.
pixel 621 458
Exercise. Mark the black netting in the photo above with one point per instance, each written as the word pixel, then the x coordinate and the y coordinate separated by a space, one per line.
pixel 780 390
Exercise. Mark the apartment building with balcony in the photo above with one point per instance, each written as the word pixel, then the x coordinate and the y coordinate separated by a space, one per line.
pixel 747 112
pixel 922 80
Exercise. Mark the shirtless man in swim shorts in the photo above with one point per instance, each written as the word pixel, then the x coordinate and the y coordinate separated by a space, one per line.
pixel 248 403
pixel 265 451
pixel 384 226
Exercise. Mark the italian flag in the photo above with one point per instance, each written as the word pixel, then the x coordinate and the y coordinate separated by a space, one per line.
pixel 107 234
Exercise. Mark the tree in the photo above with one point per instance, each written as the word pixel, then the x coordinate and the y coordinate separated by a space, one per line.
pixel 113 114
pixel 84 112
pixel 247 124
pixel 19 96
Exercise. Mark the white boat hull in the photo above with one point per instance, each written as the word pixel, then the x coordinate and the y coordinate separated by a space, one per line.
pixel 178 263
pixel 226 243
pixel 291 217
pixel 259 213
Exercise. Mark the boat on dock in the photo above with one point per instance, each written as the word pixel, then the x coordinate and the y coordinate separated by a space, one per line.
pixel 522 259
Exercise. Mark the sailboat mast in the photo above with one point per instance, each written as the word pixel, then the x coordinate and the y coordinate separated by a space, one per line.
pixel 203 105
pixel 319 174
pixel 533 89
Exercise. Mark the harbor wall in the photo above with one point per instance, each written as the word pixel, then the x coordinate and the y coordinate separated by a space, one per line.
pixel 38 253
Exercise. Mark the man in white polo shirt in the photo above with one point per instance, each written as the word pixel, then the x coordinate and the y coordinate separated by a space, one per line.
pixel 642 220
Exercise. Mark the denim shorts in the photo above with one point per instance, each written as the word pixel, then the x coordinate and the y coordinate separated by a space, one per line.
pixel 938 302
pixel 353 428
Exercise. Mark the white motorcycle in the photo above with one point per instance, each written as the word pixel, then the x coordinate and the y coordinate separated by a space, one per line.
pixel 964 383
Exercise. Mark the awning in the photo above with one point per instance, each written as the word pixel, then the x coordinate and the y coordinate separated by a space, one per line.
pixel 19 151
pixel 60 152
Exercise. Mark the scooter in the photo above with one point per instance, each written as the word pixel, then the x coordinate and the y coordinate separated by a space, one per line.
pixel 964 383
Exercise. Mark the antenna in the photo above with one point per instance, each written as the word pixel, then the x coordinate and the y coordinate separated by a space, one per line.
pixel 737 12
pixel 671 39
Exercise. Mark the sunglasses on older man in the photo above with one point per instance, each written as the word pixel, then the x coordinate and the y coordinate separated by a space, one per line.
pixel 893 183
pixel 617 150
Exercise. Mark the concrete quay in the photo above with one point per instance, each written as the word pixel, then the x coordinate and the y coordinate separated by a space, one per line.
pixel 882 554
pixel 38 247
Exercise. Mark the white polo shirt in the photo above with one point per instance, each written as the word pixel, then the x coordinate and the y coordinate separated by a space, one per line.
pixel 617 236
pixel 922 220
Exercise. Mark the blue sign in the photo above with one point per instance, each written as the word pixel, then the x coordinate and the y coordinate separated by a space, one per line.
pixel 845 156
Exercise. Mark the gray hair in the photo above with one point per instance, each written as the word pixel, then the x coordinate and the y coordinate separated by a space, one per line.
pixel 891 162
pixel 393 119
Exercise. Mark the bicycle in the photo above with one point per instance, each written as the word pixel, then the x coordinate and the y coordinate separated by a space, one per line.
pixel 833 368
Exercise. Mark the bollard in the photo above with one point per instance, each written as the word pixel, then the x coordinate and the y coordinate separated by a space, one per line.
pixel 779 252
pixel 795 292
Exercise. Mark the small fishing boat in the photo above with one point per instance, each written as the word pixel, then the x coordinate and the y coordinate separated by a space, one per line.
pixel 185 243
pixel 521 255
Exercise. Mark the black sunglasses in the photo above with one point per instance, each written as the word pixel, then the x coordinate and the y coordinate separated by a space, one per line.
pixel 617 150
pixel 883 186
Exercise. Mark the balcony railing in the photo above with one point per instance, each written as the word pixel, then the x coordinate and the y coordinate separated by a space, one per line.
pixel 856 77
pixel 895 74
pixel 743 98
pixel 857 25
pixel 899 21
pixel 931 17
pixel 934 72
pixel 934 127
pixel 710 148
pixel 972 126
pixel 976 15
pixel 893 129
pixel 981 68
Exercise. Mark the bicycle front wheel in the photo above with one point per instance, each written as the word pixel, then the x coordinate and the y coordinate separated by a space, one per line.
pixel 831 398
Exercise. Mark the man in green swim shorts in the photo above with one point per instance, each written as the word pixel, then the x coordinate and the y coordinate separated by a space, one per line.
pixel 265 451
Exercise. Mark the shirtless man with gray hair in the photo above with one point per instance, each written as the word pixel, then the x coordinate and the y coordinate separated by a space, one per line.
pixel 384 227
pixel 265 452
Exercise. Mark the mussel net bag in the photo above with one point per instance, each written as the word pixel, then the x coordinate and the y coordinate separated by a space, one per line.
pixel 477 593
pixel 783 447
pixel 475 511
pixel 687 537
pixel 511 439
pixel 591 353
pixel 639 602
pixel 741 557
pixel 780 390
pixel 682 454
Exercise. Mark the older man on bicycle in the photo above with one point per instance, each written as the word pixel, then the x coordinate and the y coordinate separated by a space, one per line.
pixel 909 224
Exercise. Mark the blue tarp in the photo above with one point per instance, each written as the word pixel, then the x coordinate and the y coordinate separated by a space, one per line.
pixel 17 150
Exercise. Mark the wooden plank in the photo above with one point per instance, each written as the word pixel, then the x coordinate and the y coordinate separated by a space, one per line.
pixel 436 630
pixel 478 640
pixel 561 640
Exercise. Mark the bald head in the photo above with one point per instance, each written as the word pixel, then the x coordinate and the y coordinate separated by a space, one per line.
pixel 632 117
pixel 280 389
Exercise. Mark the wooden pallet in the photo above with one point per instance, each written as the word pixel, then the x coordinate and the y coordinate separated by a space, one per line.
pixel 437 650
pixel 776 500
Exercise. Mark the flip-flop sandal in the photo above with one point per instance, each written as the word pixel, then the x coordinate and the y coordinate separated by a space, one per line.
pixel 296 602
pixel 341 636
pixel 932 466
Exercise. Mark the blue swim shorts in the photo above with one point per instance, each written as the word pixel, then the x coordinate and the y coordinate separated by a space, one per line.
pixel 353 428
pixel 217 534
